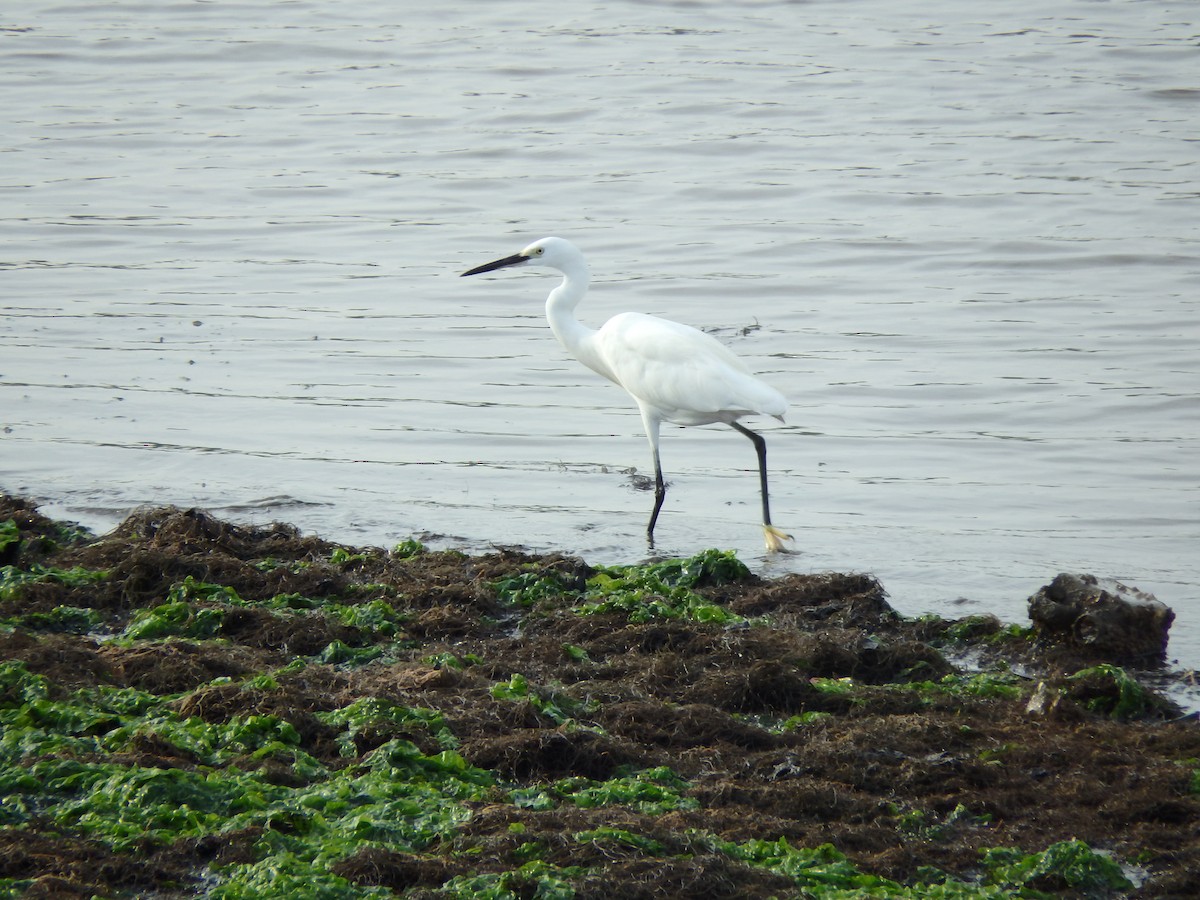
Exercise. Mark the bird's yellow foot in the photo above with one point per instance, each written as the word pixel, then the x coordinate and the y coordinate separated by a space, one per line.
pixel 775 538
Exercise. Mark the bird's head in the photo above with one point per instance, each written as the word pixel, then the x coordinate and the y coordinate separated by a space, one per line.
pixel 549 251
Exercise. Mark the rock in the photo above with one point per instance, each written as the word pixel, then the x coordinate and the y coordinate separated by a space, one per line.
pixel 1103 618
pixel 1043 701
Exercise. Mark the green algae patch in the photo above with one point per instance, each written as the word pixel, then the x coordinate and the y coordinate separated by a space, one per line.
pixel 60 619
pixel 10 534
pixel 14 579
pixel 176 619
pixel 449 660
pixel 376 619
pixel 408 549
pixel 374 718
pixel 930 826
pixel 821 870
pixel 66 760
pixel 343 556
pixel 963 687
pixel 192 589
pixel 663 590
pixel 534 879
pixel 339 653
pixel 133 806
pixel 554 705
pixel 620 839
pixel 1112 691
pixel 642 599
pixel 984 685
pixel 1068 866
pixel 19 686
pixel 286 875
pixel 650 791
pixel 527 588
pixel 400 798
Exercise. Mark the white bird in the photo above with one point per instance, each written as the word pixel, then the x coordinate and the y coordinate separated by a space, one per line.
pixel 674 372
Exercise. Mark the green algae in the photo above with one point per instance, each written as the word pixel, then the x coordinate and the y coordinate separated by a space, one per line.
pixel 64 760
pixel 651 791
pixel 663 590
pixel 930 826
pixel 13 579
pixel 197 610
pixel 59 620
pixel 576 653
pixel 449 660
pixel 978 685
pixel 192 589
pixel 620 838
pixel 398 798
pixel 642 600
pixel 821 870
pixel 535 879
pixel 825 872
pixel 339 653
pixel 1111 691
pixel 288 875
pixel 985 685
pixel 343 556
pixel 408 549
pixel 10 534
pixel 174 619
pixel 395 796
pixel 1065 866
pixel 524 589
pixel 984 629
pixel 134 806
pixel 373 715
pixel 18 685
pixel 376 619
pixel 559 707
pixel 775 725
pixel 61 534
pixel 301 789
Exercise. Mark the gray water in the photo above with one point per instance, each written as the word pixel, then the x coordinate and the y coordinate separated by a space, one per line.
pixel 962 240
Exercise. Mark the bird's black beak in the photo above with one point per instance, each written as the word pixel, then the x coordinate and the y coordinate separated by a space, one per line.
pixel 515 260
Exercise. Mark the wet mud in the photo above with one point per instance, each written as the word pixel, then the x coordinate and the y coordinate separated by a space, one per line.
pixel 807 711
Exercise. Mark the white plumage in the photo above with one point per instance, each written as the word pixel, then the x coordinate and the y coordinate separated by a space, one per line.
pixel 674 372
pixel 689 377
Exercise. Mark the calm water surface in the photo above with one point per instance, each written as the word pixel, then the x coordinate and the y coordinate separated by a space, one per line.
pixel 963 241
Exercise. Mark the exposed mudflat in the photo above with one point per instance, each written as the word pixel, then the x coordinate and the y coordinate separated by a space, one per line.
pixel 196 708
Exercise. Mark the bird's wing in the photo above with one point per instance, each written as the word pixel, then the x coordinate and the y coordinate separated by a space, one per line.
pixel 686 375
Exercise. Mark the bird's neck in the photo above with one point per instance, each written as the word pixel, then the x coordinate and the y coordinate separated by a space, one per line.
pixel 560 311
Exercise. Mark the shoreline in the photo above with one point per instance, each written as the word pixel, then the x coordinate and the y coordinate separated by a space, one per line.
pixel 532 723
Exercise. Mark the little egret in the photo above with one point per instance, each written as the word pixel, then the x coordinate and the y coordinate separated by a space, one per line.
pixel 674 373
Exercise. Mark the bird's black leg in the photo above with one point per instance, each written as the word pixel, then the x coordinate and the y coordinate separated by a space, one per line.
pixel 760 447
pixel 660 494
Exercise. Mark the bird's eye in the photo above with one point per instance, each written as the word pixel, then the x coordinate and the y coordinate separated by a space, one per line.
pixel 539 251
